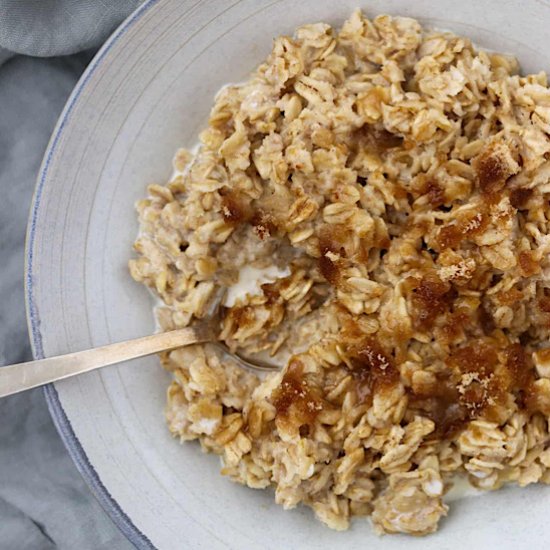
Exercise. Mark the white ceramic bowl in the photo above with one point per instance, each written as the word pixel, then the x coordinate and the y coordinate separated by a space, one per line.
pixel 147 92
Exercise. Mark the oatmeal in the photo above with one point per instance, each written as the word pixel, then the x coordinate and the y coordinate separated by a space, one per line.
pixel 384 190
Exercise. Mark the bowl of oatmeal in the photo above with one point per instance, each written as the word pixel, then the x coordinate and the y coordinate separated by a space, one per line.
pixel 370 193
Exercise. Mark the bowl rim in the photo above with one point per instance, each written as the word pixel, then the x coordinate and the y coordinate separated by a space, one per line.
pixel 59 417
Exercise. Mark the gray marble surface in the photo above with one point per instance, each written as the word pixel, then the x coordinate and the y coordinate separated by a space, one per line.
pixel 44 503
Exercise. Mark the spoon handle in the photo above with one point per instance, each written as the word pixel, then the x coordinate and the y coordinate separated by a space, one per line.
pixel 24 376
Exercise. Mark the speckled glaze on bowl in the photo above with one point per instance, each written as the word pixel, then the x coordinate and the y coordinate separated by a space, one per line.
pixel 147 92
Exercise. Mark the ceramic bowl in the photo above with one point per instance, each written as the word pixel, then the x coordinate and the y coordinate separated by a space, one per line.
pixel 147 92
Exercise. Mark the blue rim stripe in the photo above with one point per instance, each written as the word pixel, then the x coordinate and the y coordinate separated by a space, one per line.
pixel 60 419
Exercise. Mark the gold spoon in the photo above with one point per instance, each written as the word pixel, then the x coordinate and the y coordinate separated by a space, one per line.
pixel 24 376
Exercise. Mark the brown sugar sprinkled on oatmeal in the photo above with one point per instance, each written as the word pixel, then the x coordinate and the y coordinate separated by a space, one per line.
pixel 331 254
pixel 430 298
pixel 494 166
pixel 294 400
pixel 388 189
pixel 435 194
pixel 372 368
pixel 233 211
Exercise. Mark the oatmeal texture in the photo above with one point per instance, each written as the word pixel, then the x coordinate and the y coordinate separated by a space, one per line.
pixel 402 180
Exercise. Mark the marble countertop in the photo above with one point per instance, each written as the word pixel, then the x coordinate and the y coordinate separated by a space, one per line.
pixel 44 503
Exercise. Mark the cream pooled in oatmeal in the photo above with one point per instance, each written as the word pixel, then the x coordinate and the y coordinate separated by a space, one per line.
pixel 250 282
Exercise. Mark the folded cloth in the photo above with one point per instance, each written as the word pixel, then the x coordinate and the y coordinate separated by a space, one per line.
pixel 47 28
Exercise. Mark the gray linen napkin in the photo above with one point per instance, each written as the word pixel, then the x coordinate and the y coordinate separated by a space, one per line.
pixel 47 28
